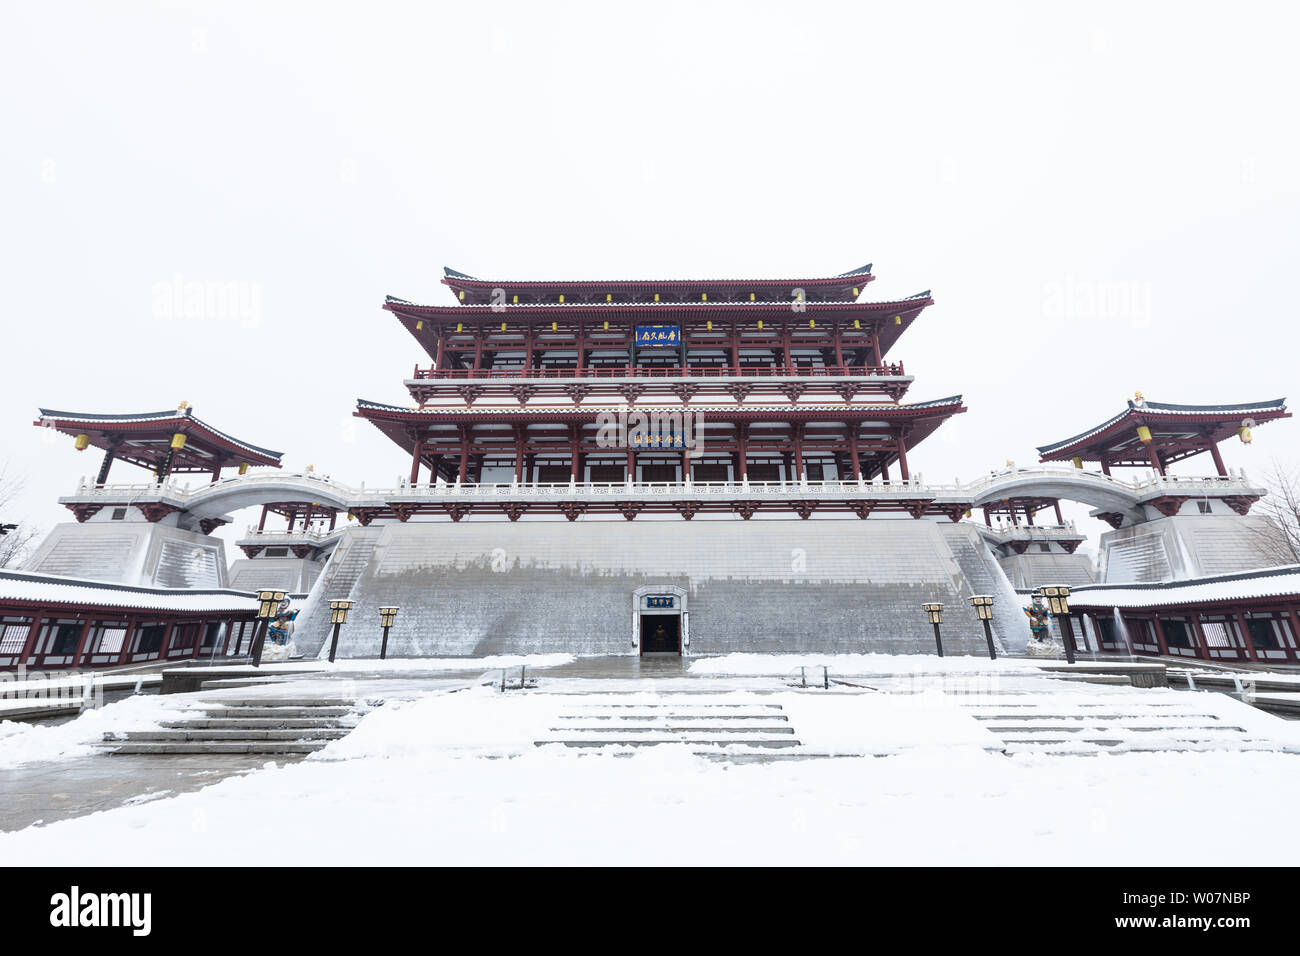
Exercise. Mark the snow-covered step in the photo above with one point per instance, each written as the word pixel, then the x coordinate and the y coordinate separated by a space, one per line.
pixel 255 725
pixel 730 726
pixel 671 729
pixel 697 740
pixel 245 734
pixel 239 712
pixel 1048 725
pixel 173 748
pixel 252 723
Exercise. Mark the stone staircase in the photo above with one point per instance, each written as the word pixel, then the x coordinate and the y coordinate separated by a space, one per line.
pixel 1028 725
pixel 254 725
pixel 688 720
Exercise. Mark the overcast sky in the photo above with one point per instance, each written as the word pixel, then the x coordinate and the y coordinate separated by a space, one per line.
pixel 1101 200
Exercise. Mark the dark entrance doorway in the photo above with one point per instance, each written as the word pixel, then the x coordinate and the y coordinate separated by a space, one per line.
pixel 661 633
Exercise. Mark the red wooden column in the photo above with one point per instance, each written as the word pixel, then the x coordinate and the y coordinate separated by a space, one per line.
pixel 1105 467
pixel 528 348
pixel 742 440
pixel 735 346
pixel 854 465
pixel 798 451
pixel 1294 620
pixel 127 640
pixel 81 643
pixel 437 355
pixel 1251 653
pixel 573 453
pixel 33 633
pixel 902 457
pixel 478 349
pixel 839 351
pixel 875 346
pixel 464 454
pixel 785 344
pixel 1057 506
pixel 261 524
pixel 1155 459
pixel 630 475
pixel 1160 636
pixel 582 346
pixel 415 462
pixel 519 454
pixel 1198 633
pixel 166 641
pixel 1218 460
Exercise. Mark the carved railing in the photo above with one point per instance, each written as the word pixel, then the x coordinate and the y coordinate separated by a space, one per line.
pixel 690 371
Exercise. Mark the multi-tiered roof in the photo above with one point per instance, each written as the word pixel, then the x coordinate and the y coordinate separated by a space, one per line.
pixel 789 377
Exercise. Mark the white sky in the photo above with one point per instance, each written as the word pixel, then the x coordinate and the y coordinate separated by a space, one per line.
pixel 1101 200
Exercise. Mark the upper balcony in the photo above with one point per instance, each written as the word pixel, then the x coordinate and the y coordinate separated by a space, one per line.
pixel 655 381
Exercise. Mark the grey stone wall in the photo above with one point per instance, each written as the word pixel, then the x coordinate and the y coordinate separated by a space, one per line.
pixel 488 587
pixel 137 553
pixel 1030 570
pixel 292 574
pixel 1183 546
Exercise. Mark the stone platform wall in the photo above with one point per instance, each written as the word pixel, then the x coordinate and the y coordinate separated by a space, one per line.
pixel 490 587
pixel 132 552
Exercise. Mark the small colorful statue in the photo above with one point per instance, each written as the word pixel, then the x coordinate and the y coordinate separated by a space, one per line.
pixel 1038 616
pixel 281 627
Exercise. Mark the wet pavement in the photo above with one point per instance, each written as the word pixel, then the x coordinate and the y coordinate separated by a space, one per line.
pixel 47 792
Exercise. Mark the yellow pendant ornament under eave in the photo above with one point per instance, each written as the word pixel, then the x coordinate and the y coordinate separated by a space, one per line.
pixel 82 442
pixel 178 441
pixel 1144 434
pixel 243 467
pixel 1077 462
pixel 1244 434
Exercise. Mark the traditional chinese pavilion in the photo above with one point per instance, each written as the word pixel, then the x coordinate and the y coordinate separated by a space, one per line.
pixel 681 466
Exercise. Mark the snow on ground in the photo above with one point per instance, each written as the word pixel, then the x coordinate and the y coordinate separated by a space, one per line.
pixel 665 806
pixel 453 778
pixel 372 665
pixel 482 721
pixel 27 743
pixel 855 665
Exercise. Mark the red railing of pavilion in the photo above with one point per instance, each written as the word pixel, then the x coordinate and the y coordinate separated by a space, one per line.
pixel 701 371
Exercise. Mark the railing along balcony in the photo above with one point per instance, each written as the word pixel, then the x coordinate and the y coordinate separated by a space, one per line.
pixel 673 371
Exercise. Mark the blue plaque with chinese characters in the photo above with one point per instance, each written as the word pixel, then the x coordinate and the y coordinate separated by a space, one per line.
pixel 651 335
pixel 661 601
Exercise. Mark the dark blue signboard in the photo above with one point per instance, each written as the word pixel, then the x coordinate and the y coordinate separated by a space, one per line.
pixel 660 602
pixel 658 440
pixel 658 335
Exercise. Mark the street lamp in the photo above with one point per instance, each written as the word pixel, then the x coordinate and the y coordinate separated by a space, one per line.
pixel 386 617
pixel 983 604
pixel 1058 602
pixel 268 602
pixel 935 613
pixel 338 617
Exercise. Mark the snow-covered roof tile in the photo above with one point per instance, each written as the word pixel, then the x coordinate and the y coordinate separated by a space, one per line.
pixel 1270 582
pixel 55 589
